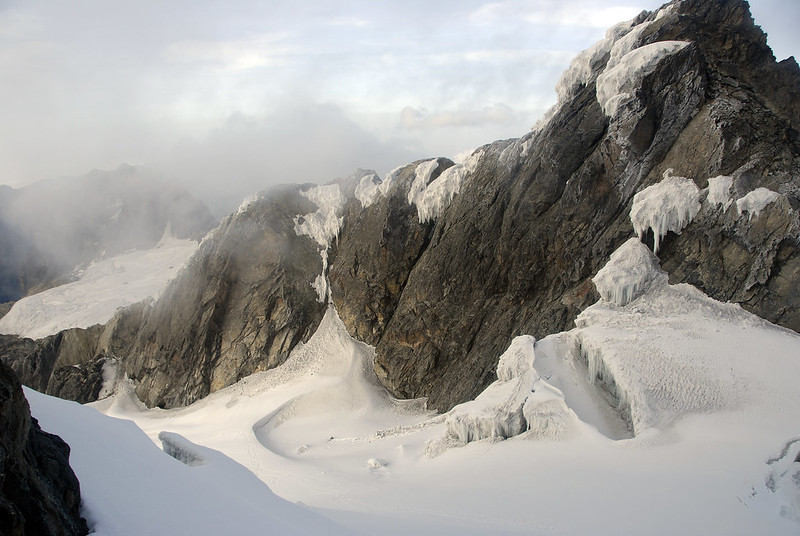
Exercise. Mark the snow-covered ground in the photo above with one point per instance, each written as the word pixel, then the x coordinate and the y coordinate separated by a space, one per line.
pixel 102 288
pixel 687 424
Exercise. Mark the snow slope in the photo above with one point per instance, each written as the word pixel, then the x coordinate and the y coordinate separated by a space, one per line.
pixel 102 288
pixel 687 424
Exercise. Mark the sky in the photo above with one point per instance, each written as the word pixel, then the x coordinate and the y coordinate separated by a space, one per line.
pixel 236 95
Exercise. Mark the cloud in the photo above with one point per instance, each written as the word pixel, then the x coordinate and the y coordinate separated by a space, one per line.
pixel 544 12
pixel 303 141
pixel 234 55
pixel 419 119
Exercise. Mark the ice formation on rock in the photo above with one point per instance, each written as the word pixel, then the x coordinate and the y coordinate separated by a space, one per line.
pixel 518 402
pixel 431 198
pixel 323 226
pixel 756 201
pixel 719 191
pixel 616 85
pixel 367 189
pixel 631 270
pixel 667 206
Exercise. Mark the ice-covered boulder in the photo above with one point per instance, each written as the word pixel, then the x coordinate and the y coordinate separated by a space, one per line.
pixel 632 269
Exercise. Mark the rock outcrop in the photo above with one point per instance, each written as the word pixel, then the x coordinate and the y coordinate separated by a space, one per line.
pixel 39 493
pixel 240 306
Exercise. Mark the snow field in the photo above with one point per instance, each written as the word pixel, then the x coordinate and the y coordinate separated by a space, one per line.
pixel 102 289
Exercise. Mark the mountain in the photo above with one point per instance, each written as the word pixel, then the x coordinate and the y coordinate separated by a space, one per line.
pixel 50 229
pixel 678 127
pixel 615 293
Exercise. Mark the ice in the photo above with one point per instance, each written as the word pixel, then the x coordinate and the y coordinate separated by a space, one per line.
pixel 179 448
pixel 667 206
pixel 719 191
pixel 756 201
pixel 431 199
pixel 517 361
pixel 632 269
pixel 323 226
pixel 367 189
pixel 518 402
pixel 617 84
pixel 580 69
pixel 102 289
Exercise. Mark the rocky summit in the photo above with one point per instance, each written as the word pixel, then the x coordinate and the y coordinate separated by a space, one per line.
pixel 679 127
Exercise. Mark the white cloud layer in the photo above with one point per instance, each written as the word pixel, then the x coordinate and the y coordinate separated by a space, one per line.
pixel 92 84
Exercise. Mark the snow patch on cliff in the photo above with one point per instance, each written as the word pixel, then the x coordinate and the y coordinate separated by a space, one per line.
pixel 756 201
pixel 667 206
pixel 617 84
pixel 431 198
pixel 323 226
pixel 367 189
pixel 719 191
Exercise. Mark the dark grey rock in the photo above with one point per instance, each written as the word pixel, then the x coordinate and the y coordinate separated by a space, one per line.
pixel 240 306
pixel 39 493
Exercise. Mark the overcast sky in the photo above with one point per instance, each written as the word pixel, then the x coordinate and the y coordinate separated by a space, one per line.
pixel 249 93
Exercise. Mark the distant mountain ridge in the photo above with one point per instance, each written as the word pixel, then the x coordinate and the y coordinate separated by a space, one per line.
pixel 51 228
pixel 440 264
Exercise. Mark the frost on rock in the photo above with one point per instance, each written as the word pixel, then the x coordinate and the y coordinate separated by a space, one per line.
pixel 518 402
pixel 719 191
pixel 323 226
pixel 431 198
pixel 756 201
pixel 629 273
pixel 616 85
pixel 667 206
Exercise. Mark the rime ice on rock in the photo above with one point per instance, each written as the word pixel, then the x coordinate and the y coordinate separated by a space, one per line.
pixel 323 226
pixel 367 189
pixel 667 206
pixel 431 198
pixel 518 402
pixel 616 85
pixel 756 201
pixel 719 191
pixel 631 270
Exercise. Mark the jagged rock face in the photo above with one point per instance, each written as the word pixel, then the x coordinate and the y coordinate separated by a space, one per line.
pixel 75 364
pixel 240 306
pixel 380 244
pixel 39 493
pixel 515 250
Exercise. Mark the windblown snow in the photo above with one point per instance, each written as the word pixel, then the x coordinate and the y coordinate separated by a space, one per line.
pixel 667 206
pixel 99 292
